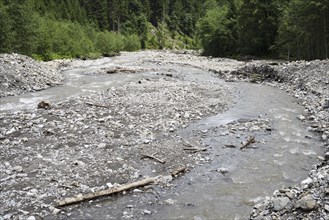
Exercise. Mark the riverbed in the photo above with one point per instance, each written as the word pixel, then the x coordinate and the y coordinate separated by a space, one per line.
pixel 223 182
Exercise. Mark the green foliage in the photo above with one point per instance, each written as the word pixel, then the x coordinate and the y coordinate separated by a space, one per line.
pixel 48 29
pixel 303 30
pixel 258 22
pixel 5 35
pixel 22 27
pixel 108 43
pixel 132 43
pixel 216 30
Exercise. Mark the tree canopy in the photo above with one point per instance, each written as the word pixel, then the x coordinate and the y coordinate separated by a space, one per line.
pixel 48 29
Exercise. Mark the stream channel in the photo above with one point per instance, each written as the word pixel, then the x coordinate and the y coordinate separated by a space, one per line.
pixel 282 158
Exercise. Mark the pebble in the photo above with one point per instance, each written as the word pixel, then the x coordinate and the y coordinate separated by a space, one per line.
pixel 306 203
pixel 326 156
pixel 146 212
pixel 307 182
pixel 170 201
pixel 280 203
pixel 223 170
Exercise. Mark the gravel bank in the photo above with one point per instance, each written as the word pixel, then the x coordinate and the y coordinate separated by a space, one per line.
pixel 99 141
pixel 21 74
pixel 309 82
pixel 53 153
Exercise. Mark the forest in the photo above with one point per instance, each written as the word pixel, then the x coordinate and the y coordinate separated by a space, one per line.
pixel 51 29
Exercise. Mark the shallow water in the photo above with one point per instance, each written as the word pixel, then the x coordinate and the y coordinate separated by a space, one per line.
pixel 282 159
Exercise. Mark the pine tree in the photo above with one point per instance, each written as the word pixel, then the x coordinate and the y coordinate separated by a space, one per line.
pixel 5 24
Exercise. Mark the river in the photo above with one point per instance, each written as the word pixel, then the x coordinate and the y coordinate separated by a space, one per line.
pixel 282 157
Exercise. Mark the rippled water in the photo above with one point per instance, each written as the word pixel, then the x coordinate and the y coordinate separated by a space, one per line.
pixel 283 159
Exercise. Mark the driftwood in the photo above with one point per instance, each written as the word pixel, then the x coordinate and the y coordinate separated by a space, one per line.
pixel 251 140
pixel 179 170
pixel 229 146
pixel 195 149
pixel 90 196
pixel 97 105
pixel 192 148
pixel 153 157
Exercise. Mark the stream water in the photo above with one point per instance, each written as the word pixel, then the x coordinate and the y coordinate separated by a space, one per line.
pixel 282 160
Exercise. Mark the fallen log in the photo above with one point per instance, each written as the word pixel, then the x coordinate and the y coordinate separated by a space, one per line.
pixel 229 146
pixel 195 149
pixel 251 140
pixel 95 195
pixel 153 157
pixel 179 170
pixel 96 105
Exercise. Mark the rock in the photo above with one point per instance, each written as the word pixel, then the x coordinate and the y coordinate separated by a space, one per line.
pixel 306 183
pixel 169 201
pixel 326 156
pixel 326 207
pixel 146 212
pixel 324 137
pixel 102 145
pixel 290 195
pixel 306 203
pixel 301 117
pixel 44 105
pixel 31 218
pixel 12 130
pixel 223 170
pixel 280 203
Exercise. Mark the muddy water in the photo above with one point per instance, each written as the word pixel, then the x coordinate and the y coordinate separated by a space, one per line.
pixel 281 159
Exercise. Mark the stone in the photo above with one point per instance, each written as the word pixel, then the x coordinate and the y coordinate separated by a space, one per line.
pixel 326 207
pixel 102 145
pixel 223 170
pixel 306 183
pixel 170 201
pixel 44 105
pixel 326 156
pixel 290 195
pixel 146 212
pixel 31 218
pixel 280 203
pixel 306 203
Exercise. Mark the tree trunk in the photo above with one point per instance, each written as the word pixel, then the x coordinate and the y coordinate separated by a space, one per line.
pixel 325 36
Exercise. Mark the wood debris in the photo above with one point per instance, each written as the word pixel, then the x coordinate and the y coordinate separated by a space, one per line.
pixel 153 157
pixel 90 196
pixel 179 170
pixel 250 140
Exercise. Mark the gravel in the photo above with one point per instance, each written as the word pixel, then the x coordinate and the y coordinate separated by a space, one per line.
pixel 309 82
pixel 21 74
pixel 96 141
pixel 48 154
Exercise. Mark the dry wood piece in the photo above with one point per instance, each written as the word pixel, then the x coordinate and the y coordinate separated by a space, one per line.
pixel 90 196
pixel 153 157
pixel 229 146
pixel 250 140
pixel 195 149
pixel 97 105
pixel 179 170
